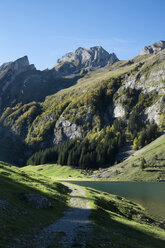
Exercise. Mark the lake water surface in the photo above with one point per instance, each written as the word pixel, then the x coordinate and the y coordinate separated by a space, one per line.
pixel 149 195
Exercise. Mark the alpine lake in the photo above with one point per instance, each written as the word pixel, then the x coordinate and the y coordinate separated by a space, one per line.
pixel 151 195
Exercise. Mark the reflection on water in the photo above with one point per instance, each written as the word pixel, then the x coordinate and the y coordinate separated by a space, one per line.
pixel 149 195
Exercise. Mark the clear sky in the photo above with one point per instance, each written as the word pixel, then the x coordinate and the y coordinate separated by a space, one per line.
pixel 47 29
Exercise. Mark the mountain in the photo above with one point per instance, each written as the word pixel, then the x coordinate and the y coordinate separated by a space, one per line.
pixel 83 117
pixel 154 48
pixel 21 83
pixel 88 59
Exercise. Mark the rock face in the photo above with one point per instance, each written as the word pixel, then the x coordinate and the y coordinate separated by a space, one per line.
pixel 85 59
pixel 37 201
pixel 9 71
pixel 154 112
pixel 147 82
pixel 21 82
pixel 154 48
pixel 119 111
pixel 17 66
pixel 65 130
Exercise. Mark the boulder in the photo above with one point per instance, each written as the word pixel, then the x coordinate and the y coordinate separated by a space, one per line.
pixel 119 111
pixel 3 205
pixel 37 201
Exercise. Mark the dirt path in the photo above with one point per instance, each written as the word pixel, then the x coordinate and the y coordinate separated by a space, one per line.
pixel 70 230
pixel 75 221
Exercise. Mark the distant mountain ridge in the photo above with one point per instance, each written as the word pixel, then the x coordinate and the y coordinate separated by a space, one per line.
pixel 21 82
pixel 85 59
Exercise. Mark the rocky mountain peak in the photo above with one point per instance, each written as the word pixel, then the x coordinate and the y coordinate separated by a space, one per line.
pixel 79 49
pixel 18 66
pixel 154 48
pixel 9 71
pixel 24 61
pixel 84 59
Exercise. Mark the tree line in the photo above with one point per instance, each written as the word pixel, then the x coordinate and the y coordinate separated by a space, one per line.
pixel 94 151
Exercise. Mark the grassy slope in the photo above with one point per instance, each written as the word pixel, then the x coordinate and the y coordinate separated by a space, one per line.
pixel 129 170
pixel 121 223
pixel 55 171
pixel 116 220
pixel 18 216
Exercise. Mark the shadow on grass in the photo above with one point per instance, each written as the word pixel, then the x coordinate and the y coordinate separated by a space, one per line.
pixel 26 218
pixel 14 189
pixel 154 170
pixel 121 235
pixel 26 177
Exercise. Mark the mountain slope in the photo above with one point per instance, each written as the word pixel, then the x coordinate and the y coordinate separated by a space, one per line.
pixel 131 90
pixel 132 170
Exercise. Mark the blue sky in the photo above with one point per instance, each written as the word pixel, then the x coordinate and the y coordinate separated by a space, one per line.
pixel 47 29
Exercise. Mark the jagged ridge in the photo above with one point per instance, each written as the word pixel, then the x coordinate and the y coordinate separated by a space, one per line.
pixel 85 59
pixel 154 48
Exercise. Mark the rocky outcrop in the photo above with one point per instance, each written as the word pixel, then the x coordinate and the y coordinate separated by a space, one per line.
pixel 85 59
pixel 37 201
pixel 119 111
pixel 65 130
pixel 154 112
pixel 154 48
pixel 9 71
pixel 21 82
pixel 8 75
pixel 148 78
pixel 17 66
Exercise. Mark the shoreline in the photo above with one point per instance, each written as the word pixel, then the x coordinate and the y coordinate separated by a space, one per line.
pixel 106 181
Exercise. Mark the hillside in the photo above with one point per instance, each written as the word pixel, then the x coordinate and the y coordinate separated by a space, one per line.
pixel 92 119
pixel 128 170
pixel 131 169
